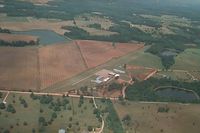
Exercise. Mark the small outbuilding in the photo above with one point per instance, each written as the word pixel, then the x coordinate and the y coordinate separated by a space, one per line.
pixel 61 131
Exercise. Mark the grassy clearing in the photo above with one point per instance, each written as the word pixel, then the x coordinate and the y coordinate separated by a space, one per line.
pixel 71 117
pixel 142 58
pixel 188 60
pixel 146 118
pixel 5 18
pixel 181 76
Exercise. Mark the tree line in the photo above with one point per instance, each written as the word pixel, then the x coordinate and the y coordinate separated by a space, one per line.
pixel 18 43
pixel 4 30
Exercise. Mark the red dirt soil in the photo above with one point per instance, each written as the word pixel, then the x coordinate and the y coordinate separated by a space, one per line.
pixel 147 75
pixel 18 68
pixel 98 52
pixel 26 68
pixel 59 62
pixel 130 67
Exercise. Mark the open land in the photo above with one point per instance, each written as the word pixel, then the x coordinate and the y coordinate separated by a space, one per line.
pixel 84 78
pixel 18 68
pixel 56 25
pixel 44 66
pixel 38 1
pixel 175 75
pixel 67 71
pixel 146 60
pixel 59 62
pixel 70 116
pixel 146 118
pixel 188 60
pixel 32 24
pixel 84 20
pixel 96 53
pixel 14 38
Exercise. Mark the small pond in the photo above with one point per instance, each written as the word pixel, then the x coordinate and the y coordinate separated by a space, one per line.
pixel 178 94
pixel 168 53
pixel 46 37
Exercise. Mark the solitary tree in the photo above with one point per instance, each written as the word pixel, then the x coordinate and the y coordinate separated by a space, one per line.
pixel 125 66
pixel 33 130
pixel 6 131
pixel 113 44
pixel 11 109
pixel 2 106
pixel 81 100
pixel 126 119
pixel 74 22
pixel 1 94
pixel 54 115
pixel 90 128
pixel 25 123
pixel 41 120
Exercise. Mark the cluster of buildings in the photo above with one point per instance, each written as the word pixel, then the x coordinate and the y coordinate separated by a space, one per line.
pixel 104 76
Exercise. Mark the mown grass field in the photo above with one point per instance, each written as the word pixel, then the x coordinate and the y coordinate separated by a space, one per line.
pixel 181 76
pixel 142 58
pixel 188 60
pixel 5 18
pixel 145 118
pixel 71 117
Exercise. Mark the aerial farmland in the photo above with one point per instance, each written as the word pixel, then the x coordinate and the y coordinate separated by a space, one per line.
pixel 123 66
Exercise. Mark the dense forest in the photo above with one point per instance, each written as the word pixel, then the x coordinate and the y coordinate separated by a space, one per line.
pixel 144 91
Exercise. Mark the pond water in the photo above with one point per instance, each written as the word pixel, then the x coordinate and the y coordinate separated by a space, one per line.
pixel 168 53
pixel 46 37
pixel 1 6
pixel 177 94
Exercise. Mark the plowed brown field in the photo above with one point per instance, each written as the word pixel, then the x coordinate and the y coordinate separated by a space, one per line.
pixel 98 52
pixel 58 62
pixel 36 68
pixel 18 68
